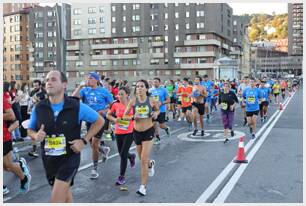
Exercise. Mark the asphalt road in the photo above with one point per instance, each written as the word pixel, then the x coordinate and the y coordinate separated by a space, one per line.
pixel 186 166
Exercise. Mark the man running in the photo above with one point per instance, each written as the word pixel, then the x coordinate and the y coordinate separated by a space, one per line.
pixel 186 92
pixel 251 98
pixel 209 85
pixel 264 101
pixel 99 99
pixel 241 88
pixel 160 95
pixel 56 123
pixel 198 94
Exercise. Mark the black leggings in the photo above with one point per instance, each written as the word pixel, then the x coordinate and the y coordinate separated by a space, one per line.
pixel 124 142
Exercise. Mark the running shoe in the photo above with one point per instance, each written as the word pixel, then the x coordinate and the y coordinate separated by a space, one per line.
pixel 120 180
pixel 167 130
pixel 253 136
pixel 108 137
pixel 226 141
pixel 105 152
pixel 5 190
pixel 202 133
pixel 232 133
pixel 251 130
pixel 142 190
pixel 33 154
pixel 94 174
pixel 179 119
pixel 25 186
pixel 132 160
pixel 195 132
pixel 151 168
pixel 156 141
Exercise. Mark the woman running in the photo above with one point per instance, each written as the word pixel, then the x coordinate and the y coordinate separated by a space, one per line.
pixel 227 100
pixel 123 132
pixel 143 106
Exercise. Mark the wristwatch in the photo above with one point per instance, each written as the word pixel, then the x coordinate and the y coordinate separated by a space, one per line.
pixel 84 141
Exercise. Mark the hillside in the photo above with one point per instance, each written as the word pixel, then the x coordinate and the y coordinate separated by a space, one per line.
pixel 267 27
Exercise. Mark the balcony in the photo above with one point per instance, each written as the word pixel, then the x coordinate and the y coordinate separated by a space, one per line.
pixel 157 55
pixel 73 47
pixel 114 46
pixel 202 42
pixel 114 56
pixel 236 52
pixel 72 58
pixel 197 66
pixel 157 43
pixel 195 54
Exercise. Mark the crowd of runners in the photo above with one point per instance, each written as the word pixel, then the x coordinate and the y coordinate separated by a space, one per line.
pixel 52 120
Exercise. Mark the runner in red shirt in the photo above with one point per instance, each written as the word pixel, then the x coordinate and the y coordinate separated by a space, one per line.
pixel 123 132
pixel 21 169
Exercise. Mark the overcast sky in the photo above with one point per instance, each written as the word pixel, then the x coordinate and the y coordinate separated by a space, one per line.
pixel 247 8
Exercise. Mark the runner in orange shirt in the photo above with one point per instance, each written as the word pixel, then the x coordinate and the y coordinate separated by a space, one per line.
pixel 283 85
pixel 186 92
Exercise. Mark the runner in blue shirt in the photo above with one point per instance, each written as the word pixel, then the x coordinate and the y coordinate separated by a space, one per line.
pixel 61 146
pixel 160 94
pixel 251 97
pixel 99 99
pixel 209 85
pixel 264 101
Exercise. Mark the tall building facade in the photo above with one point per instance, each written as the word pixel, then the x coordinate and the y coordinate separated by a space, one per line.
pixel 16 47
pixel 90 21
pixel 49 29
pixel 295 29
pixel 170 40
pixel 15 7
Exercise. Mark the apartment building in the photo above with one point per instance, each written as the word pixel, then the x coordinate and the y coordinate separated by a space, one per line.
pixel 16 47
pixel 295 29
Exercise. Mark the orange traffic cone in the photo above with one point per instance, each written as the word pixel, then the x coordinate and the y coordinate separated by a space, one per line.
pixel 280 106
pixel 240 153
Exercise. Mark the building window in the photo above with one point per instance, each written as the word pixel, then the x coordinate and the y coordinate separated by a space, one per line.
pixel 101 9
pixel 178 72
pixel 101 19
pixel 91 10
pixel 103 62
pixel 187 26
pixel 113 30
pixel 77 22
pixel 79 63
pixel 200 13
pixel 166 38
pixel 177 38
pixel 176 4
pixel 113 8
pixel 50 13
pixel 93 63
pixel 92 31
pixel 38 15
pixel 77 32
pixel 202 37
pixel 125 62
pixel 77 11
pixel 135 17
pixel 176 15
pixel 176 27
pixel 113 19
pixel 177 61
pixel 102 30
pixel 116 51
pixel 124 18
pixel 166 27
pixel 235 40
pixel 115 62
pixel 91 20
pixel 135 6
pixel 200 25
pixel 187 14
pixel 124 7
pixel 135 28
pixel 124 29
pixel 166 15
pixel 235 22
pixel 126 51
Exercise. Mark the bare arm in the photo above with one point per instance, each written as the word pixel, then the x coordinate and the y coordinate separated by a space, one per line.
pixel 94 128
pixel 128 108
pixel 110 117
pixel 76 92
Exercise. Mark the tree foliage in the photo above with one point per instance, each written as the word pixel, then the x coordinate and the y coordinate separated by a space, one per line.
pixel 258 22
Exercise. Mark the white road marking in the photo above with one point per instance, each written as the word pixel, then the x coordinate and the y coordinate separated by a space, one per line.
pixel 220 178
pixel 234 179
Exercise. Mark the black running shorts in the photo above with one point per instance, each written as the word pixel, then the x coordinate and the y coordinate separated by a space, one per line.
pixel 200 107
pixel 7 147
pixel 250 114
pixel 140 137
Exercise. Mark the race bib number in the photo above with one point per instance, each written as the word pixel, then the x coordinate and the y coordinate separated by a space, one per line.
pixel 186 99
pixel 180 98
pixel 251 100
pixel 123 124
pixel 142 112
pixel 55 146
pixel 224 105
pixel 156 98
